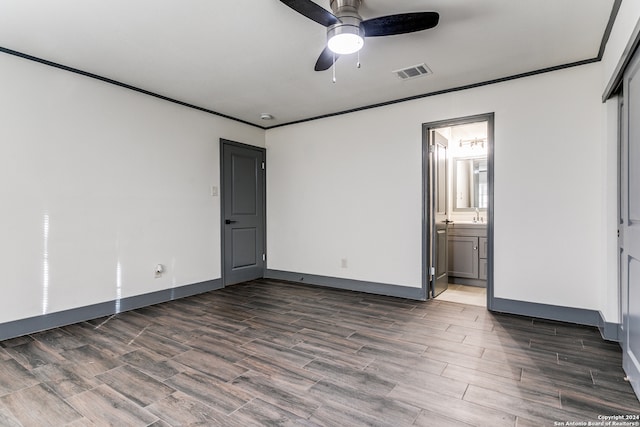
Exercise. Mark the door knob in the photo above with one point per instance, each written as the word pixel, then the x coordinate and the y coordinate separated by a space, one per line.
pixel 228 221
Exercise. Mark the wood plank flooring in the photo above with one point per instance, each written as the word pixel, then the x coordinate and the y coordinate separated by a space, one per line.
pixel 277 353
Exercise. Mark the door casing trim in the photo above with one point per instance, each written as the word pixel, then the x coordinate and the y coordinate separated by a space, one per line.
pixel 426 127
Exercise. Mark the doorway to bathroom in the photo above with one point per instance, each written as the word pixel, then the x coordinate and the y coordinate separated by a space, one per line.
pixel 458 209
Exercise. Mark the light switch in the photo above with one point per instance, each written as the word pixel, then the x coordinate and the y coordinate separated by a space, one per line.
pixel 214 191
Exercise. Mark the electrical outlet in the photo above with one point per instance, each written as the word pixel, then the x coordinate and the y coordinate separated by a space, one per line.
pixel 159 270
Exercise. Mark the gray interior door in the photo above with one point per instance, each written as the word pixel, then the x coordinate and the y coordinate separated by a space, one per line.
pixel 243 212
pixel 630 223
pixel 439 217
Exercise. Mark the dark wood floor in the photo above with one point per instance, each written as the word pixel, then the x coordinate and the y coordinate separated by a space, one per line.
pixel 274 353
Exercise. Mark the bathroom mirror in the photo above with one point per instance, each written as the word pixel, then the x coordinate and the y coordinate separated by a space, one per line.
pixel 470 183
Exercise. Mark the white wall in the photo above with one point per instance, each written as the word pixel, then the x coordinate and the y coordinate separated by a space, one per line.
pixel 100 184
pixel 350 186
pixel 346 187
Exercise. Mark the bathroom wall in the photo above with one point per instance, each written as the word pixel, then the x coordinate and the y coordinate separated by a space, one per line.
pixel 458 134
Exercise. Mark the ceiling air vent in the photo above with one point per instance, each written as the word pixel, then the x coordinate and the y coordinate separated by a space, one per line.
pixel 413 72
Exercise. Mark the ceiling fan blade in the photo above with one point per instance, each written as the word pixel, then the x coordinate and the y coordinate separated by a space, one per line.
pixel 400 24
pixel 312 11
pixel 326 60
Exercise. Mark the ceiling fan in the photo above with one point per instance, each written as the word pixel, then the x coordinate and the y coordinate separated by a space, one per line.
pixel 346 29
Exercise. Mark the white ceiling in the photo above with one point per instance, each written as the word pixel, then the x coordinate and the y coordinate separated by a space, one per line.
pixel 242 58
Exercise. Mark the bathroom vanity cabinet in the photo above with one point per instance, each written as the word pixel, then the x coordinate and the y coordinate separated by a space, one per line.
pixel 467 253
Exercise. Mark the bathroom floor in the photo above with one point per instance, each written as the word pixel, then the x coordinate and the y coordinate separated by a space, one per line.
pixel 463 294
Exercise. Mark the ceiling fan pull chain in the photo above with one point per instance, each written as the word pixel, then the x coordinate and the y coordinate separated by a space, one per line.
pixel 334 67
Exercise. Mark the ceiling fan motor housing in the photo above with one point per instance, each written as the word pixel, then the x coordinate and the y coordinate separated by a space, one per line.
pixel 347 12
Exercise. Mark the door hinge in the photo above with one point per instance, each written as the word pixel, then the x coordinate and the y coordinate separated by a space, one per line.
pixel 264 257
pixel 432 271
pixel 262 165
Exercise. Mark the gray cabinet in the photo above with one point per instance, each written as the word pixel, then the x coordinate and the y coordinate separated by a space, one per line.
pixel 463 256
pixel 468 254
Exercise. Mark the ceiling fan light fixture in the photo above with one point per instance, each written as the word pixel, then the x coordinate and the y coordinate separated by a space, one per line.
pixel 345 39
